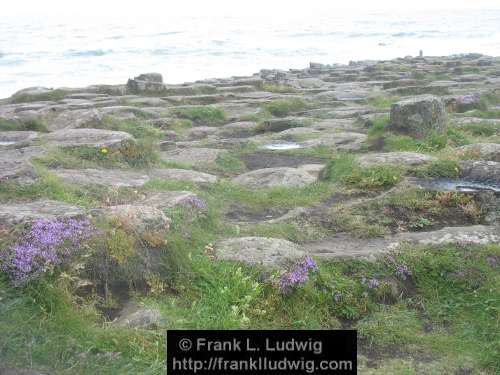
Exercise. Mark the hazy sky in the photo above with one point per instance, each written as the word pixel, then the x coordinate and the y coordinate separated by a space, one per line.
pixel 148 8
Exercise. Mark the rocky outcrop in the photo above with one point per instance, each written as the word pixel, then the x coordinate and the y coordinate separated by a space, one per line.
pixel 275 177
pixel 110 178
pixel 397 159
pixel 418 116
pixel 484 151
pixel 175 199
pixel 481 171
pixel 183 175
pixel 268 252
pixel 139 217
pixel 191 156
pixel 98 138
pixel 16 165
pixel 21 213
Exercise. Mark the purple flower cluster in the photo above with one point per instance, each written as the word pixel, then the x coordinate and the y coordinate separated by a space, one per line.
pixel 47 244
pixel 372 283
pixel 403 272
pixel 297 275
pixel 195 203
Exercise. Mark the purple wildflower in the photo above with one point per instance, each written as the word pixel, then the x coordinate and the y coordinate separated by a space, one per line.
pixel 403 272
pixel 195 203
pixel 297 275
pixel 46 245
pixel 373 284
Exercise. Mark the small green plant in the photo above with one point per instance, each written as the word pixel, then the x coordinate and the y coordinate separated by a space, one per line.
pixel 379 127
pixel 374 177
pixel 382 102
pixel 440 169
pixel 202 115
pixel 421 223
pixel 277 88
pixel 54 95
pixel 481 129
pixel 341 166
pixel 284 107
pixel 29 124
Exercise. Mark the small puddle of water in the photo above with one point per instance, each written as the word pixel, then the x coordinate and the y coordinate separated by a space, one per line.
pixel 458 185
pixel 282 146
pixel 6 143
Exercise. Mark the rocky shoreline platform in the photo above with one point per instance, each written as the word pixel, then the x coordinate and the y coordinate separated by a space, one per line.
pixel 339 162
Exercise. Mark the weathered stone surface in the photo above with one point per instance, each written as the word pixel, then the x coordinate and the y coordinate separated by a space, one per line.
pixel 15 165
pixel 105 177
pixel 20 213
pixel 150 77
pixel 81 118
pixel 137 317
pixel 269 252
pixel 463 103
pixel 191 156
pixel 419 115
pixel 275 177
pixel 346 246
pixel 183 175
pixel 346 141
pixel 201 131
pixel 139 217
pixel 481 171
pixel 172 199
pixel 98 138
pixel 239 129
pixel 280 124
pixel 8 138
pixel 313 169
pixel 485 151
pixel 398 159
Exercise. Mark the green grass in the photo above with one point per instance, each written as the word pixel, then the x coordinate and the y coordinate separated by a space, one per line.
pixel 346 170
pixel 11 125
pixel 284 107
pixel 140 154
pixel 277 88
pixel 54 95
pixel 206 115
pixel 481 129
pixel 440 169
pixel 492 114
pixel 382 102
pixel 136 128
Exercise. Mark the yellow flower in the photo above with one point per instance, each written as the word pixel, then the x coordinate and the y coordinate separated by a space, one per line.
pixel 104 150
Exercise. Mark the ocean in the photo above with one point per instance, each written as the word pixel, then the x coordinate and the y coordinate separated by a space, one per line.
pixel 74 53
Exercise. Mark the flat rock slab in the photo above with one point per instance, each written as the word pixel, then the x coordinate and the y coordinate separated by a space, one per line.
pixel 268 252
pixel 105 177
pixel 481 171
pixel 8 138
pixel 191 156
pixel 172 199
pixel 404 159
pixel 15 165
pixel 137 317
pixel 139 217
pixel 346 246
pixel 183 175
pixel 81 118
pixel 485 151
pixel 98 138
pixel 346 141
pixel 20 213
pixel 275 177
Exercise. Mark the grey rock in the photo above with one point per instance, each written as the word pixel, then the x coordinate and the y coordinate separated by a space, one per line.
pixel 346 141
pixel 98 138
pixel 12 137
pixel 191 156
pixel 484 151
pixel 150 77
pixel 137 317
pixel 82 118
pixel 15 165
pixel 397 159
pixel 20 213
pixel 275 177
pixel 183 175
pixel 481 171
pixel 419 115
pixel 268 252
pixel 139 217
pixel 173 199
pixel 105 177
